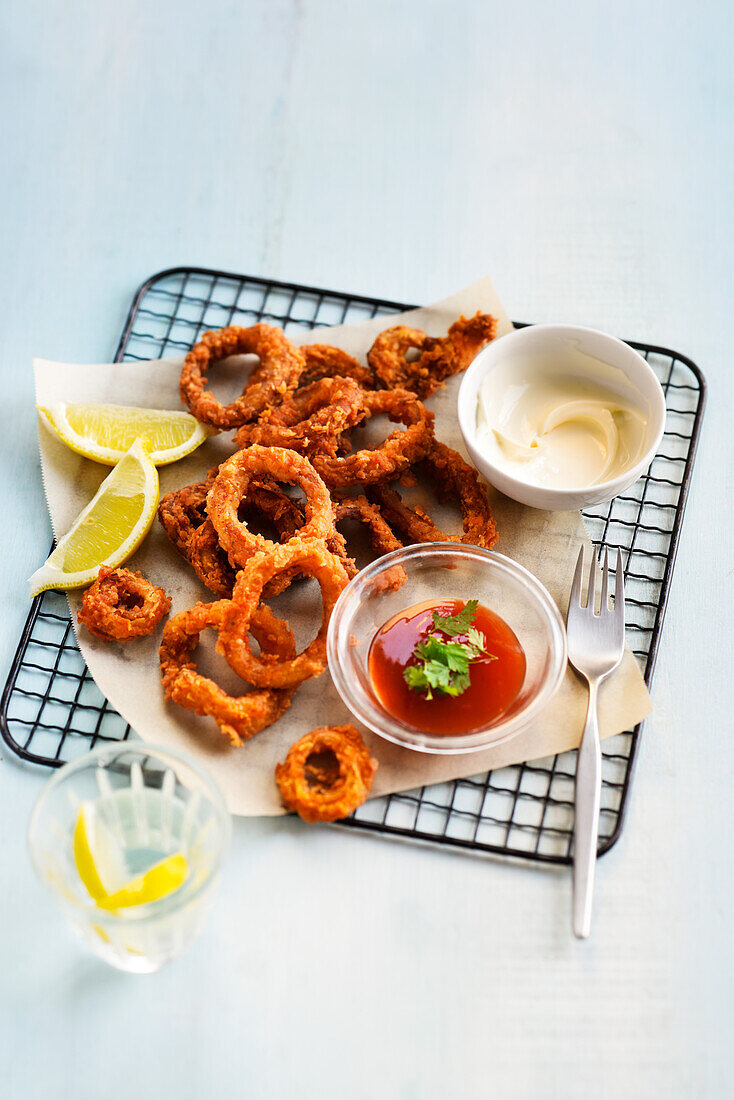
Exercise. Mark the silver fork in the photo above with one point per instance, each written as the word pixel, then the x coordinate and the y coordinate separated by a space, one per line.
pixel 595 648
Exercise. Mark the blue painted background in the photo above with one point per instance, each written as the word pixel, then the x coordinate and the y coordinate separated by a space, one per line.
pixel 583 154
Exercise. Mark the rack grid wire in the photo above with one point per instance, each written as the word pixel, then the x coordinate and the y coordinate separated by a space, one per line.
pixel 52 711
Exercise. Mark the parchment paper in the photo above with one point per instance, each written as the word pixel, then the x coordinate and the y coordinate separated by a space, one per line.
pixel 547 543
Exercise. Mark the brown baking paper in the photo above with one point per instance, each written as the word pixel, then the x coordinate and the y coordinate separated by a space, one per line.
pixel 547 543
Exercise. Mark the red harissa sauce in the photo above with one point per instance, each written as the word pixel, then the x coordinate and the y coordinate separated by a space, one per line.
pixel 494 686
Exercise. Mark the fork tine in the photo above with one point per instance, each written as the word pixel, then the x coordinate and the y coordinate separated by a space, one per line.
pixel 592 583
pixel 574 599
pixel 619 591
pixel 605 585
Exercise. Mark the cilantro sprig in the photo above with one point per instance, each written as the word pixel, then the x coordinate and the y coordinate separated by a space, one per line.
pixel 444 657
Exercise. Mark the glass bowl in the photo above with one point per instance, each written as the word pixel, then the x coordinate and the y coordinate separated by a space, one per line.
pixel 435 571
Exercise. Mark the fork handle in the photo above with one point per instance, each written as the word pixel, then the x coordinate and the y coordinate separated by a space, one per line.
pixel 586 819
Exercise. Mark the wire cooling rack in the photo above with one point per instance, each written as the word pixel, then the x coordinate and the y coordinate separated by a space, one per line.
pixel 52 711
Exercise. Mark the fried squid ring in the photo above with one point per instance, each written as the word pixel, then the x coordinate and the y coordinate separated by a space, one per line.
pixel 280 368
pixel 439 358
pixel 238 718
pixel 183 516
pixel 182 511
pixel 381 536
pixel 325 361
pixel 308 556
pixel 454 480
pixel 359 508
pixel 327 774
pixel 231 486
pixel 413 524
pixel 312 420
pixel 210 561
pixel 121 605
pixel 393 457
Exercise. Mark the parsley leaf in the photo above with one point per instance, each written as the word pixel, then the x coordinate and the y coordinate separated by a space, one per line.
pixel 456 625
pixel 443 666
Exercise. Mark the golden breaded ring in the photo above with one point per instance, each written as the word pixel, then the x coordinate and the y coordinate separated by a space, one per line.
pixel 316 792
pixel 310 556
pixel 439 358
pixel 280 368
pixel 238 718
pixel 231 486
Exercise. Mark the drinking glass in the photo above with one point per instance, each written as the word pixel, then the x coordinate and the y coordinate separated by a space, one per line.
pixel 154 803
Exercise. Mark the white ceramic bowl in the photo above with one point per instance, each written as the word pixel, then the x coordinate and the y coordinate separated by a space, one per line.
pixel 540 340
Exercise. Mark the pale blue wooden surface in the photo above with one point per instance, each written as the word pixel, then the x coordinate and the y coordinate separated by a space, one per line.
pixel 581 154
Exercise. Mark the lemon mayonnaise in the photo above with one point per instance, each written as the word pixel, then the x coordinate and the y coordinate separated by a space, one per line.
pixel 563 420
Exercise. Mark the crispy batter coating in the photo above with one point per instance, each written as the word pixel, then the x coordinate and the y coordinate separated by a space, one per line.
pixel 182 511
pixel 278 374
pixel 325 361
pixel 121 605
pixel 412 524
pixel 393 457
pixel 238 718
pixel 183 516
pixel 327 774
pixel 308 555
pixel 312 420
pixel 453 480
pixel 382 538
pixel 439 358
pixel 231 486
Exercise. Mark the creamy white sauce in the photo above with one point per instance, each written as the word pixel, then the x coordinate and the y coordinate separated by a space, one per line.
pixel 565 422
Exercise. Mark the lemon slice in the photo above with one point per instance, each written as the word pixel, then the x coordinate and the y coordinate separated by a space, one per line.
pixel 99 861
pixel 109 529
pixel 105 432
pixel 160 881
pixel 101 866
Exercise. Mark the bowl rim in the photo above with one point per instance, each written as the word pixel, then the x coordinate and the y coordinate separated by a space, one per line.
pixel 476 740
pixel 602 490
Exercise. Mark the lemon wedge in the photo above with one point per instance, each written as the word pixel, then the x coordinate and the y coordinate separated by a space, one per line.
pixel 160 881
pixel 109 529
pixel 101 866
pixel 105 432
pixel 99 861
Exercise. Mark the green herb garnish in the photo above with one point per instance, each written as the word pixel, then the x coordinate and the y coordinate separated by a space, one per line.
pixel 443 661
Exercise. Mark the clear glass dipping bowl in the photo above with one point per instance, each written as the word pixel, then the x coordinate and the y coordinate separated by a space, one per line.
pixel 153 799
pixel 435 571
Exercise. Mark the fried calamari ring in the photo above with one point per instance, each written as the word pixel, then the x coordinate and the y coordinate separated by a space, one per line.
pixel 310 556
pixel 231 486
pixel 210 561
pixel 183 517
pixel 382 538
pixel 325 361
pixel 412 524
pixel 280 368
pixel 454 480
pixel 327 774
pixel 238 718
pixel 393 457
pixel 312 420
pixel 439 358
pixel 121 604
pixel 182 511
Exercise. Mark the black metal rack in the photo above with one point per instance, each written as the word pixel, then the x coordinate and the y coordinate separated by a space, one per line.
pixel 52 711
